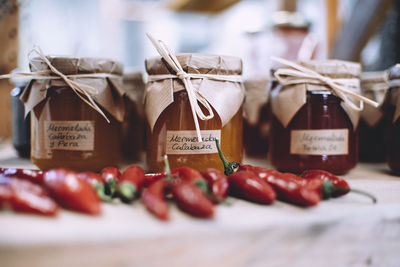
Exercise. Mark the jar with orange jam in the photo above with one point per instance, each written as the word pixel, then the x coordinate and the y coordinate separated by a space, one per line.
pixel 66 131
pixel 312 126
pixel 171 125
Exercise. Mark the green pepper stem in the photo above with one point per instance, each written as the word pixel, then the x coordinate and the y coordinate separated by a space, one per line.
pixel 372 197
pixel 127 191
pixel 168 170
pixel 100 190
pixel 229 167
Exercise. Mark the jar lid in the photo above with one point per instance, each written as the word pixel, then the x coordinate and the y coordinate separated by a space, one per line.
pixel 334 68
pixel 197 64
pixel 374 80
pixel 394 72
pixel 76 65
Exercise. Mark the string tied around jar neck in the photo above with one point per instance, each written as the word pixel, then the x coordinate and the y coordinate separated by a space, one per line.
pixel 195 97
pixel 84 91
pixel 297 74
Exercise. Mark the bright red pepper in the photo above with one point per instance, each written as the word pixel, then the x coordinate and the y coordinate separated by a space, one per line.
pixel 154 200
pixel 71 192
pixel 191 175
pixel 249 186
pixel 152 177
pixel 97 183
pixel 35 176
pixel 130 183
pixel 25 196
pixel 333 186
pixel 110 176
pixel 218 183
pixel 192 200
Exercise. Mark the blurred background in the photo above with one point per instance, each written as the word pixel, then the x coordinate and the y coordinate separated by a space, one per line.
pixel 366 31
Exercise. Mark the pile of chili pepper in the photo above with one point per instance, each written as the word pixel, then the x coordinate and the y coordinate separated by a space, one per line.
pixel 194 192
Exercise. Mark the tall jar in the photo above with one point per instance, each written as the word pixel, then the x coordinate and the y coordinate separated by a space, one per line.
pixel 171 127
pixel 392 115
pixel 312 128
pixel 66 131
pixel 257 117
pixel 374 85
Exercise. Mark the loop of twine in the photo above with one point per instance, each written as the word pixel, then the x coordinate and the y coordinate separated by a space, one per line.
pixel 194 95
pixel 341 87
pixel 83 91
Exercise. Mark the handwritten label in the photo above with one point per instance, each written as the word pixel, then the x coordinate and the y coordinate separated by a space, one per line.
pixel 319 142
pixel 186 142
pixel 69 135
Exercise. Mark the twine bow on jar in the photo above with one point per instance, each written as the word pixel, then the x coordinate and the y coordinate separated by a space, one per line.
pixel 297 74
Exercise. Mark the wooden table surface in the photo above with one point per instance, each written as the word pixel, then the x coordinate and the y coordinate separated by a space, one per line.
pixel 348 231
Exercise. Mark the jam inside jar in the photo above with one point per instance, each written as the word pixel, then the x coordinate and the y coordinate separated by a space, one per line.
pixel 319 136
pixel 66 132
pixel 174 129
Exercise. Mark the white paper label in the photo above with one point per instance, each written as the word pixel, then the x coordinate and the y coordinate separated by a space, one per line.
pixel 186 142
pixel 69 135
pixel 319 142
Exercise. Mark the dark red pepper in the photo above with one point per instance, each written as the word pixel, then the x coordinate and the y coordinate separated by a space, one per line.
pixel 333 186
pixel 154 200
pixel 152 177
pixel 218 183
pixel 191 175
pixel 130 183
pixel 97 182
pixel 247 185
pixel 110 176
pixel 71 192
pixel 35 176
pixel 25 196
pixel 188 196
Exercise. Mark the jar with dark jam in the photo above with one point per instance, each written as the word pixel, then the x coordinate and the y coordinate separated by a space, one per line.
pixel 374 85
pixel 173 131
pixel 66 131
pixel 310 128
pixel 392 115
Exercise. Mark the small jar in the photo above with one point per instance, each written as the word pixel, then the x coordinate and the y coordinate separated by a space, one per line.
pixel 66 131
pixel 392 115
pixel 134 125
pixel 374 85
pixel 312 128
pixel 171 127
pixel 257 117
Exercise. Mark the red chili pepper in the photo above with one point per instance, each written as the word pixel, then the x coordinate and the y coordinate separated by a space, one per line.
pixel 333 186
pixel 154 200
pixel 130 183
pixel 247 185
pixel 71 192
pixel 35 176
pixel 288 187
pixel 25 196
pixel 152 177
pixel 97 184
pixel 110 177
pixel 189 197
pixel 218 182
pixel 191 175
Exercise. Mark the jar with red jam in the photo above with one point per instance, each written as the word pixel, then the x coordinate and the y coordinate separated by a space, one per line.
pixel 312 127
pixel 257 117
pixel 374 85
pixel 392 115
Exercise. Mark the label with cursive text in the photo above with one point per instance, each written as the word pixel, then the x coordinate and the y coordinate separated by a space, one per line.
pixel 69 135
pixel 319 142
pixel 186 142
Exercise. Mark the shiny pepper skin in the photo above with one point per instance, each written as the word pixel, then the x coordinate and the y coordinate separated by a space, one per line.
pixel 154 200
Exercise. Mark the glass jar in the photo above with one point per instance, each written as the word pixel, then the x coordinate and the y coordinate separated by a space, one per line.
pixel 173 132
pixel 67 132
pixel 392 111
pixel 318 133
pixel 257 117
pixel 374 85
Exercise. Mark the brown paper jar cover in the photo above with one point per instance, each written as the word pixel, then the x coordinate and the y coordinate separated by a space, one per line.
pixel 374 85
pixel 171 128
pixel 257 116
pixel 312 128
pixel 133 126
pixel 392 122
pixel 67 132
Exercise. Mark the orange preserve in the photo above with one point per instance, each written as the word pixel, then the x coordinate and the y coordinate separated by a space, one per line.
pixel 66 131
pixel 173 131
